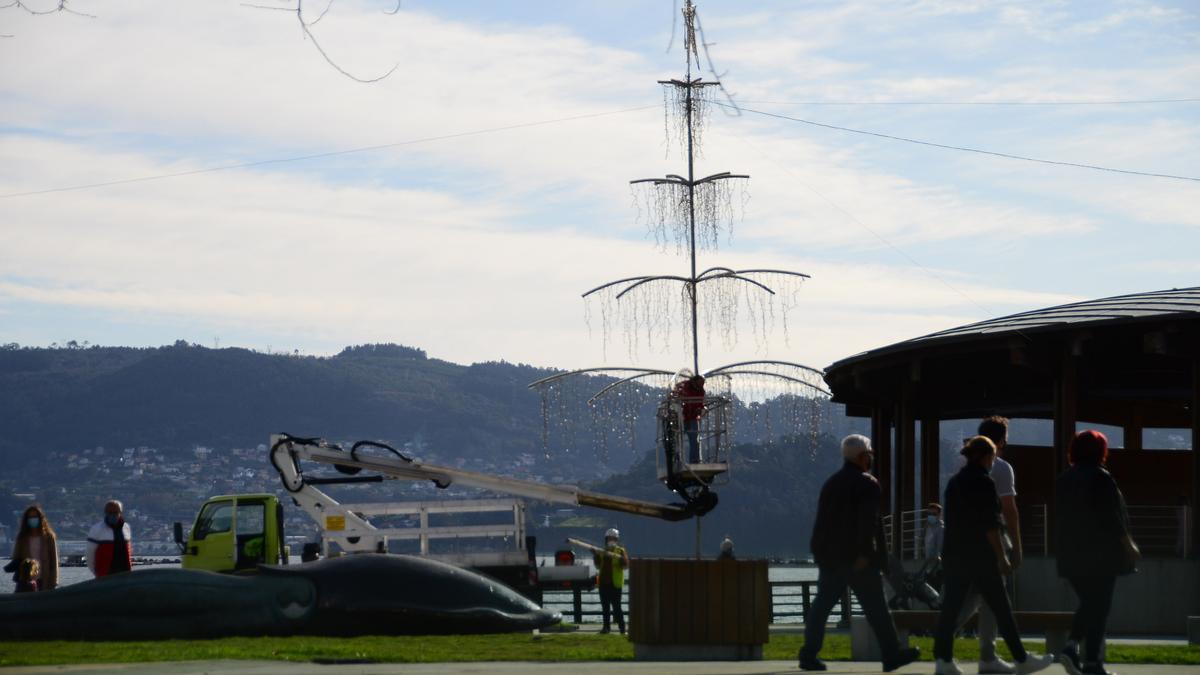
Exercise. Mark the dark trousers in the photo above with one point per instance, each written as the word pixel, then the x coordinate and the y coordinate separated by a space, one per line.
pixel 868 588
pixel 692 427
pixel 1095 601
pixel 990 586
pixel 610 604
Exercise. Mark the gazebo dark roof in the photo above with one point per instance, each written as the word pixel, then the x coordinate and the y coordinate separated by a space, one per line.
pixel 1152 305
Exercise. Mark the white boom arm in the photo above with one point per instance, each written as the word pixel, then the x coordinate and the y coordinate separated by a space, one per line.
pixel 288 451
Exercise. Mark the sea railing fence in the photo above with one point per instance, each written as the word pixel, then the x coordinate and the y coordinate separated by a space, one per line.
pixel 791 602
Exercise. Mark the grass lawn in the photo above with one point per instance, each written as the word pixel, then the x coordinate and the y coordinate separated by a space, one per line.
pixel 564 646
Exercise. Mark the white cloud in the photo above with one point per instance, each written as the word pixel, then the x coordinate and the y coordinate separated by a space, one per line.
pixel 311 261
pixel 478 247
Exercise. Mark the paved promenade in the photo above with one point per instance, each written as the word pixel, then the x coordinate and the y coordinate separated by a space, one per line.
pixel 518 668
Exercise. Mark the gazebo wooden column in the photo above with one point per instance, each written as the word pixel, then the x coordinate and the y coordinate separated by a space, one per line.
pixel 931 461
pixel 1196 458
pixel 1066 413
pixel 881 441
pixel 906 467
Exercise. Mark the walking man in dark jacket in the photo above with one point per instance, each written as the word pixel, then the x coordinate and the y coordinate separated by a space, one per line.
pixel 848 546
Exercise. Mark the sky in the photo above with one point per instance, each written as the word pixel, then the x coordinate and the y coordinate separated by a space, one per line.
pixel 488 183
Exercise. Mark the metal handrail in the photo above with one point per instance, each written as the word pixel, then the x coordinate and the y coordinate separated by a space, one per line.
pixel 784 604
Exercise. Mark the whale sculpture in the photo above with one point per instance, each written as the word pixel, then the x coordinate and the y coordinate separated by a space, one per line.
pixel 363 594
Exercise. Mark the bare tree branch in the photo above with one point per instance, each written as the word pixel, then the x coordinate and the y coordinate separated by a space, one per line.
pixel 322 15
pixel 674 24
pixel 732 108
pixel 60 7
pixel 278 9
pixel 298 10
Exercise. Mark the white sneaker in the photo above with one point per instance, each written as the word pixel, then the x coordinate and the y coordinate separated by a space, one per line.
pixel 997 666
pixel 1034 663
pixel 941 667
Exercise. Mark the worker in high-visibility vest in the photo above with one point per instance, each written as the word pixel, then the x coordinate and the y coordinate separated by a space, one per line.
pixel 611 563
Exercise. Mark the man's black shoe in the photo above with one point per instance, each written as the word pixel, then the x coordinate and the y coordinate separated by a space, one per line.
pixel 901 659
pixel 1069 658
pixel 813 663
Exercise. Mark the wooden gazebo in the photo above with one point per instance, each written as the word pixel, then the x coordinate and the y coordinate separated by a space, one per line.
pixel 1130 361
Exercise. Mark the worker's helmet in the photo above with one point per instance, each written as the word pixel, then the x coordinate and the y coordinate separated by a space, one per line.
pixel 726 544
pixel 612 533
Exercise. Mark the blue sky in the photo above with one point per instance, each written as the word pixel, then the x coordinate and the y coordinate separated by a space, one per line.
pixel 477 248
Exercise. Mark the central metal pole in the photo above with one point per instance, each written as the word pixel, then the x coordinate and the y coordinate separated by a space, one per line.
pixel 691 188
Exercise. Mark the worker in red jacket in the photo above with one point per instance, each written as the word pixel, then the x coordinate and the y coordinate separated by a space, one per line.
pixel 691 393
pixel 110 549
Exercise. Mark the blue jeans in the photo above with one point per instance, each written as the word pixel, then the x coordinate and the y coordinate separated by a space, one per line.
pixel 692 427
pixel 986 580
pixel 868 588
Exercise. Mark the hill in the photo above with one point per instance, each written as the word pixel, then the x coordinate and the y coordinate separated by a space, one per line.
pixel 179 396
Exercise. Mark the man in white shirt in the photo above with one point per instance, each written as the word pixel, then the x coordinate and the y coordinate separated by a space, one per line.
pixel 996 429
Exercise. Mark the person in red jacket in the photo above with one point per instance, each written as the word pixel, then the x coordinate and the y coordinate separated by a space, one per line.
pixel 691 394
pixel 110 549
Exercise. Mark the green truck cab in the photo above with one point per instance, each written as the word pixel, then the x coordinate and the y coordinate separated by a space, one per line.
pixel 234 533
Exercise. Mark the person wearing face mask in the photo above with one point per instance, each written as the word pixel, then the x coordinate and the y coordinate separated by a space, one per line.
pixel 935 531
pixel 36 540
pixel 995 428
pixel 973 556
pixel 848 547
pixel 110 549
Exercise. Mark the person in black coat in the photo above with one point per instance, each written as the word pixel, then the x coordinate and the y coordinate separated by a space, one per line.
pixel 973 555
pixel 1092 544
pixel 848 546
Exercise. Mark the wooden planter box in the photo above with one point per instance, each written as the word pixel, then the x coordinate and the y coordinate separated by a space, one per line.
pixel 698 610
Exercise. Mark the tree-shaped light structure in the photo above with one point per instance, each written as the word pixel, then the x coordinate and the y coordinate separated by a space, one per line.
pixel 693 214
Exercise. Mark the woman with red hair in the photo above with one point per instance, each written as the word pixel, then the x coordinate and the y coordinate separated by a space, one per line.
pixel 1092 543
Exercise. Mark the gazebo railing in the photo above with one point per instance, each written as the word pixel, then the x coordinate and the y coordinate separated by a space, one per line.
pixel 1035 529
pixel 1161 530
pixel 912 535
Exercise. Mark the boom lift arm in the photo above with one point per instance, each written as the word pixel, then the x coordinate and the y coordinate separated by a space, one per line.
pixel 288 451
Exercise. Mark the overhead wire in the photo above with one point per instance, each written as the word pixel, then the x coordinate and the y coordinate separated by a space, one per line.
pixel 960 148
pixel 1150 101
pixel 872 231
pixel 323 155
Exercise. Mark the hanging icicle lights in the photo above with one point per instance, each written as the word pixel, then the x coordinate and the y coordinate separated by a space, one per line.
pixel 662 204
pixel 614 407
pixel 649 313
pixel 676 100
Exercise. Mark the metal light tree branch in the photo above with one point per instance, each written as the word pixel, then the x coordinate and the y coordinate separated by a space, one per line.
pixel 693 213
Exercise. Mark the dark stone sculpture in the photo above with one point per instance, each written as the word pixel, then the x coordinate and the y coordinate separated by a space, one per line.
pixel 364 594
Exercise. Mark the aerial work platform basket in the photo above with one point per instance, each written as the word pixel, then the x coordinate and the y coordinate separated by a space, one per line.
pixel 693 452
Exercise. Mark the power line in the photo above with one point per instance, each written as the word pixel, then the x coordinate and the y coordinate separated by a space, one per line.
pixel 872 231
pixel 322 155
pixel 1151 101
pixel 963 148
